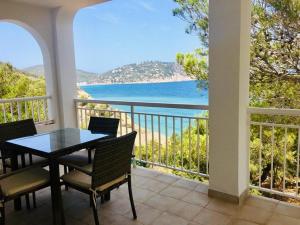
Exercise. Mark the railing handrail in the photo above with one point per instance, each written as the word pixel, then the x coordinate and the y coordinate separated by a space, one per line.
pixel 274 111
pixel 24 99
pixel 146 104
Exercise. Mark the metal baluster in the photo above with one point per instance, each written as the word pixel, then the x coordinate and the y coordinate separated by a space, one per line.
pixel 272 157
pixel 146 134
pixel 26 110
pixel 207 147
pixel 140 131
pixel 259 157
pixel 126 122
pixel 198 145
pixel 32 110
pixel 284 164
pixel 121 124
pixel 4 112
pixel 181 141
pixel 38 110
pixel 298 150
pixel 19 111
pixel 174 140
pixel 190 160
pixel 159 141
pixel 152 142
pixel 166 132
pixel 45 109
pixel 132 117
pixel 12 112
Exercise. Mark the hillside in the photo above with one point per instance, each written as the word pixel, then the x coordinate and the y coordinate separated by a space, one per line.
pixel 133 73
pixel 82 76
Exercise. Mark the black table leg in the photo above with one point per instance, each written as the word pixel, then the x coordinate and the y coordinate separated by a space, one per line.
pixel 57 207
pixel 14 166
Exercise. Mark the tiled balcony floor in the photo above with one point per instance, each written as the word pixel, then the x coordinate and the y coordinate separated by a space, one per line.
pixel 160 200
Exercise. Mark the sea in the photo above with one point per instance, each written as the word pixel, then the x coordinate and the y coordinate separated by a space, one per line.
pixel 179 92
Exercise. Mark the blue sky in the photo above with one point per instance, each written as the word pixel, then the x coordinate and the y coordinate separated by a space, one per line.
pixel 109 35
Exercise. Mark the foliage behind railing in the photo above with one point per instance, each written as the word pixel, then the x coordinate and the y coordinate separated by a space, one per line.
pixel 274 151
pixel 166 140
pixel 23 108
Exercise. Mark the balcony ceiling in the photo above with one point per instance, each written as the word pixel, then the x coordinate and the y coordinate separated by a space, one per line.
pixel 59 3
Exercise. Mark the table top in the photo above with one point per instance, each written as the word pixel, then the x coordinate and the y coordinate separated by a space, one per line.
pixel 57 141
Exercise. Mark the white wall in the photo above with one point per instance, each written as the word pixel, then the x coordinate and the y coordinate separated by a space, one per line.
pixel 53 30
pixel 229 59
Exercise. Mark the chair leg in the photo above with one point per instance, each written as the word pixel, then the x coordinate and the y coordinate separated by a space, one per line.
pixel 89 156
pixel 131 197
pixel 2 212
pixel 65 172
pixel 34 200
pixel 27 201
pixel 94 197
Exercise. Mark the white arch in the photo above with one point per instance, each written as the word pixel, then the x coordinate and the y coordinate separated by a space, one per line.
pixel 40 41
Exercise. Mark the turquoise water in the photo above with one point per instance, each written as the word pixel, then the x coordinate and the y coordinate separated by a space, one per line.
pixel 185 92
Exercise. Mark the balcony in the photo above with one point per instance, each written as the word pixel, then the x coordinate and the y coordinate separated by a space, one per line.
pixel 161 199
pixel 219 159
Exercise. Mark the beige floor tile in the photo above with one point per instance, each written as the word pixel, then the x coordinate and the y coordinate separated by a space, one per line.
pixel 283 220
pixel 174 192
pixel 208 217
pixel 223 207
pixel 145 172
pixel 184 183
pixel 145 214
pixel 161 202
pixel 263 203
pixel 185 210
pixel 196 198
pixel 169 219
pixel 166 178
pixel 202 188
pixel 154 185
pixel 242 222
pixel 254 214
pixel 141 195
pixel 139 181
pixel 288 210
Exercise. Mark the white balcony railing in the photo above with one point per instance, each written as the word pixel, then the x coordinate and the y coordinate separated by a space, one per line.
pixel 274 151
pixel 166 137
pixel 23 108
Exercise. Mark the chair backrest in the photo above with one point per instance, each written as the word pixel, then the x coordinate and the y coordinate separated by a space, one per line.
pixel 14 130
pixel 104 125
pixel 112 159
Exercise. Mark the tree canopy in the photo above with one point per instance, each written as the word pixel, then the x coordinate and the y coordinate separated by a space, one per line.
pixel 275 49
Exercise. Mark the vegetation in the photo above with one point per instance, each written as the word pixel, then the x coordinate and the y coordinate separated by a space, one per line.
pixel 274 81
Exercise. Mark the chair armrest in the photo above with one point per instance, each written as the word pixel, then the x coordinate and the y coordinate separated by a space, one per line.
pixel 79 168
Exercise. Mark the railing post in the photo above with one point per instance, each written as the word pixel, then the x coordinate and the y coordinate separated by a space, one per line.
pixel 132 128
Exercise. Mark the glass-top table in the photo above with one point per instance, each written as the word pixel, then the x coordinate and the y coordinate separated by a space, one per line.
pixel 52 146
pixel 59 142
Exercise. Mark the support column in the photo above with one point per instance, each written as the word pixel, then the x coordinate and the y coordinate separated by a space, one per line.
pixel 65 65
pixel 229 59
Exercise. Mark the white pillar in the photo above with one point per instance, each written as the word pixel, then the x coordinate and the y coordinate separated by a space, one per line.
pixel 229 59
pixel 65 65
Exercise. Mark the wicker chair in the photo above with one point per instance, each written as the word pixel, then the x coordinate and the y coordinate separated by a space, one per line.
pixel 97 124
pixel 14 130
pixel 111 168
pixel 21 182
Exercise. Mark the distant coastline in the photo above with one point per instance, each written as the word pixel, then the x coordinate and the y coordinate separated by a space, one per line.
pixel 138 82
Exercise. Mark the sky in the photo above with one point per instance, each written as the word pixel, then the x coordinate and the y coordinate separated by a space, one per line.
pixel 110 35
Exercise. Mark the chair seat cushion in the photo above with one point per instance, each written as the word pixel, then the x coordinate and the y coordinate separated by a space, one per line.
pixel 24 182
pixel 79 158
pixel 84 181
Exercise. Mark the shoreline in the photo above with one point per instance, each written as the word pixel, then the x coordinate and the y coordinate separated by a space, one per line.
pixel 139 82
